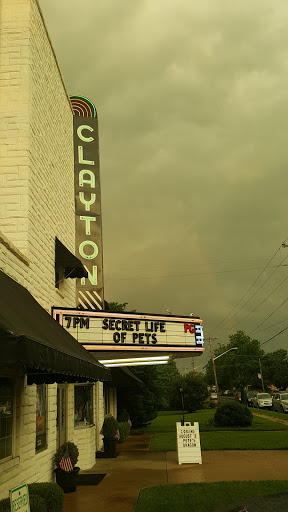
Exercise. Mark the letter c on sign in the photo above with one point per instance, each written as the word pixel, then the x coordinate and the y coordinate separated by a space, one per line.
pixel 81 136
pixel 87 256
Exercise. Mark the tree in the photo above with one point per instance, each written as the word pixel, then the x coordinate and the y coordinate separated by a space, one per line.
pixel 238 368
pixel 275 368
pixel 194 387
pixel 116 306
pixel 142 402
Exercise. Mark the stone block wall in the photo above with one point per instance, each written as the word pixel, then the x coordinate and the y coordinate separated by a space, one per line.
pixel 99 407
pixel 26 465
pixel 36 150
pixel 36 205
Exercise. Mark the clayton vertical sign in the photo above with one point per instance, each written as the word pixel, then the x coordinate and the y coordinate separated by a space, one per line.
pixel 88 222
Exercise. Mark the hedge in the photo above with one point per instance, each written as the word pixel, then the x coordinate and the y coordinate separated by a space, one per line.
pixel 233 414
pixel 51 493
pixel 124 431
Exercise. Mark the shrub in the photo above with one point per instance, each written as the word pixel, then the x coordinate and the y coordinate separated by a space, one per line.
pixel 37 503
pixel 124 431
pixel 233 414
pixel 123 416
pixel 51 493
pixel 5 505
pixel 110 427
pixel 73 452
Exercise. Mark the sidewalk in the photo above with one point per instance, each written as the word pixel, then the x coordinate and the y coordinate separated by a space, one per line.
pixel 136 468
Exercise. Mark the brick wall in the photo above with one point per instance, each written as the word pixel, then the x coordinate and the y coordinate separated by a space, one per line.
pixel 99 414
pixel 36 150
pixel 36 205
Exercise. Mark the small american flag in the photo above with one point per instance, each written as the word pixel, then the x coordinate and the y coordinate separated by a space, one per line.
pixel 65 462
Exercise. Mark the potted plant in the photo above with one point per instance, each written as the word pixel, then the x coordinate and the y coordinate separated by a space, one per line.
pixel 110 433
pixel 66 471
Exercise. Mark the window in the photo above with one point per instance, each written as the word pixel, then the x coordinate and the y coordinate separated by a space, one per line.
pixel 41 418
pixel 83 405
pixel 6 416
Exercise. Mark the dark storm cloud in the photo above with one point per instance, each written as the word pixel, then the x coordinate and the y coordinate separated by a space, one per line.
pixel 192 101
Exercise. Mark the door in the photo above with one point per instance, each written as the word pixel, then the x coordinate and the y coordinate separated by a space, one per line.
pixel 61 413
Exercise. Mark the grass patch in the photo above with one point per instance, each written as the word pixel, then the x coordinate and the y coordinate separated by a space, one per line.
pixel 229 440
pixel 263 434
pixel 204 497
pixel 166 422
pixel 273 414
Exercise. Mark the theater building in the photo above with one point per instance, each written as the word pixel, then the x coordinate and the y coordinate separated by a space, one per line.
pixel 51 388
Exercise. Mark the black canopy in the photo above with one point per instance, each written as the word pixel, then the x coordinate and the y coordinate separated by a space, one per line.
pixel 122 377
pixel 30 338
pixel 67 260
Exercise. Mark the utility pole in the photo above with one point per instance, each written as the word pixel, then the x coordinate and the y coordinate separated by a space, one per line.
pixel 214 368
pixel 193 365
pixel 260 366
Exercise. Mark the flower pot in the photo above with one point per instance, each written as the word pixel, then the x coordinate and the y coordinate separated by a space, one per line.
pixel 110 448
pixel 67 480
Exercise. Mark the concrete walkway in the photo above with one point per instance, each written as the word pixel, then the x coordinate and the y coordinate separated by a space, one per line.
pixel 136 468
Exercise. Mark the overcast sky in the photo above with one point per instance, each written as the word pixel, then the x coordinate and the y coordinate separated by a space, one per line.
pixel 192 102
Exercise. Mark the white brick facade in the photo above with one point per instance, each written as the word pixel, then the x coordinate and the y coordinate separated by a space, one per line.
pixel 37 205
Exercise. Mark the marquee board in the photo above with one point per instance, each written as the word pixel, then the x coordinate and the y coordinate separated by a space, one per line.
pixel 109 333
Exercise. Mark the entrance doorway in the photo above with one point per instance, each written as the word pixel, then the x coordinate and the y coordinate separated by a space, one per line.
pixel 61 413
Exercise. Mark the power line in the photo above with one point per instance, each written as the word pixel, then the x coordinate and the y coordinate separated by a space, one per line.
pixel 250 313
pixel 271 314
pixel 277 267
pixel 263 270
pixel 184 275
pixel 275 336
pixel 111 269
pixel 269 326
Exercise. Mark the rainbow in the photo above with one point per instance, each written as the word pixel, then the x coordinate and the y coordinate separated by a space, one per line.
pixel 82 106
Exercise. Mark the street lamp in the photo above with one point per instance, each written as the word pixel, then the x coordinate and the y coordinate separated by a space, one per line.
pixel 233 348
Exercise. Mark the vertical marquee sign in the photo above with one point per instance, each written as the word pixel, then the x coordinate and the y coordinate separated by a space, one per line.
pixel 88 222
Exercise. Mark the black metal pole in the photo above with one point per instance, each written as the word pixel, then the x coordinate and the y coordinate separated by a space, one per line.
pixel 182 400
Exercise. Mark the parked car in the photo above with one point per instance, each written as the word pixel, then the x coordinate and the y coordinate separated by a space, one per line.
pixel 228 392
pixel 280 402
pixel 262 401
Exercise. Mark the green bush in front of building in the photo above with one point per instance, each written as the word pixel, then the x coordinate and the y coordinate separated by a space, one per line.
pixel 233 414
pixel 5 505
pixel 73 453
pixel 51 493
pixel 123 416
pixel 109 428
pixel 124 431
pixel 37 504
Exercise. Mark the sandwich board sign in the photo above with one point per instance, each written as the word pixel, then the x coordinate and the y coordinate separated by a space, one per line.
pixel 19 499
pixel 188 443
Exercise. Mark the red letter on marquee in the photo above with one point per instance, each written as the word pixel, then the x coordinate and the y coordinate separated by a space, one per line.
pixel 189 327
